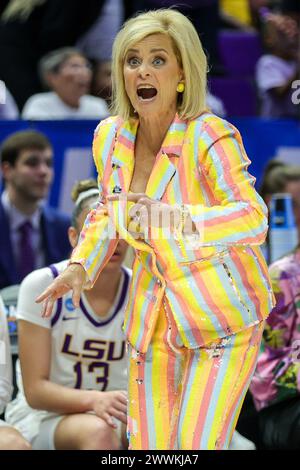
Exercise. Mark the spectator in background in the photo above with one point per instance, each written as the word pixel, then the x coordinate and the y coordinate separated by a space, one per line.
pixel 101 80
pixel 277 70
pixel 279 177
pixel 74 394
pixel 260 8
pixel 32 235
pixel 276 382
pixel 31 28
pixel 68 73
pixel 8 107
pixel 10 438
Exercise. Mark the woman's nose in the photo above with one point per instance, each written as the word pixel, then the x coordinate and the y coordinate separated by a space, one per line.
pixel 144 71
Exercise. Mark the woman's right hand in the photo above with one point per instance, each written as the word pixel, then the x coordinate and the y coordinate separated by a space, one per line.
pixel 72 278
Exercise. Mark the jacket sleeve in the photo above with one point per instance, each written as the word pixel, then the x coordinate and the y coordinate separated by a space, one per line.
pixel 236 214
pixel 97 241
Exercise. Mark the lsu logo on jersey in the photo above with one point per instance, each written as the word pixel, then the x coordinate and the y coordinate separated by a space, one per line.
pixel 95 357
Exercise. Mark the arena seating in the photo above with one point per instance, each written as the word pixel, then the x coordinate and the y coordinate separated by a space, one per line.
pixel 239 52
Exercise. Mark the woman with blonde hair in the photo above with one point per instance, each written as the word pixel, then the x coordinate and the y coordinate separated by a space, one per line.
pixel 174 184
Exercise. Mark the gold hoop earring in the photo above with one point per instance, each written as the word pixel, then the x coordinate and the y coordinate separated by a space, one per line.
pixel 180 87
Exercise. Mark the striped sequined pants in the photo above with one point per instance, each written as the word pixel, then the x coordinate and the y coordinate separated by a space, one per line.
pixel 190 399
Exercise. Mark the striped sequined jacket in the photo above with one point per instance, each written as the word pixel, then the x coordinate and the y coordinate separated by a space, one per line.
pixel 215 284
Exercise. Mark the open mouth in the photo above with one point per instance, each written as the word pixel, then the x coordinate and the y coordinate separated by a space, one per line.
pixel 146 93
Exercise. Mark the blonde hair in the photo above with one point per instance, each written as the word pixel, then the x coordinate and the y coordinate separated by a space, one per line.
pixel 20 9
pixel 187 48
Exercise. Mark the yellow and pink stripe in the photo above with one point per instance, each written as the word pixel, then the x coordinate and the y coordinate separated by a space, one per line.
pixel 216 285
pixel 186 399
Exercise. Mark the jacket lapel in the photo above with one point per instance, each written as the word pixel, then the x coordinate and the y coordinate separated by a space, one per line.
pixel 122 159
pixel 161 175
pixel 122 163
pixel 167 159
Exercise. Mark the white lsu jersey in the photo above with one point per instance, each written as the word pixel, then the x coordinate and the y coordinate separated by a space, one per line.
pixel 87 351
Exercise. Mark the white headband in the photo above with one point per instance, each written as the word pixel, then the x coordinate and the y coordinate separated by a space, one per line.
pixel 86 195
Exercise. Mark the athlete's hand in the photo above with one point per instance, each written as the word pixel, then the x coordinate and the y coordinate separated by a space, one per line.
pixel 110 405
pixel 72 278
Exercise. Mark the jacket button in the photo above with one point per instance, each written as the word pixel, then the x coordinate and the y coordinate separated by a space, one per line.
pixel 117 190
pixel 158 281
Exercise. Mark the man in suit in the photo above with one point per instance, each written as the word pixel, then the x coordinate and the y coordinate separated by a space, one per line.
pixel 32 235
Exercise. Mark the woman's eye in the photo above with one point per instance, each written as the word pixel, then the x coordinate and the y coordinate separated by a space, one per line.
pixel 159 61
pixel 132 61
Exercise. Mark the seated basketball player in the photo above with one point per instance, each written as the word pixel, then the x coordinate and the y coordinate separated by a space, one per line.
pixel 72 385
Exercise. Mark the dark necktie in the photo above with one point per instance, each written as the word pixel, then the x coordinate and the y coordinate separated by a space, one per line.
pixel 26 252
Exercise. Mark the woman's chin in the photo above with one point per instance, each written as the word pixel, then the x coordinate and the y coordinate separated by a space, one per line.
pixel 148 111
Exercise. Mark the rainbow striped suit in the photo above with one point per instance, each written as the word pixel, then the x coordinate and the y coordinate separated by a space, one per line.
pixel 214 287
pixel 196 306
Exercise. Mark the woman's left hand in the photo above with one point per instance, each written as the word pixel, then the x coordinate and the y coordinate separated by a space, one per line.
pixel 147 212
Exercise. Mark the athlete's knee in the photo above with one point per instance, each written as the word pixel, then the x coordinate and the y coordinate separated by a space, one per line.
pixel 11 439
pixel 100 436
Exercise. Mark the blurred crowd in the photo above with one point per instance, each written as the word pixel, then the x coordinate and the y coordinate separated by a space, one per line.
pixel 56 56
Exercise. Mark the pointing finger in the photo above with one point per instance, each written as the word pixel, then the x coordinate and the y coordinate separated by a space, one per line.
pixel 76 296
pixel 48 307
pixel 44 295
